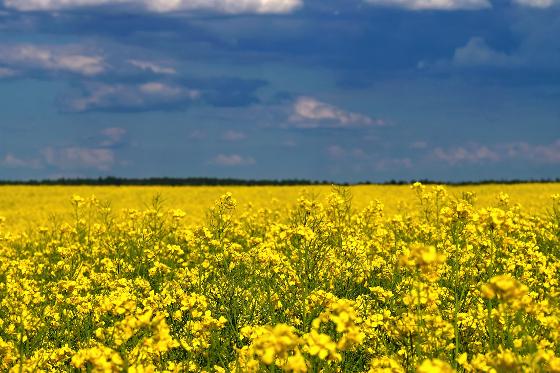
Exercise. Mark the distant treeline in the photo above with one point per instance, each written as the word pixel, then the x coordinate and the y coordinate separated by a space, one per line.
pixel 207 181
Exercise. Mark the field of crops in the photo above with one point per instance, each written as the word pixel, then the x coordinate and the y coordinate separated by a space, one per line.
pixel 317 279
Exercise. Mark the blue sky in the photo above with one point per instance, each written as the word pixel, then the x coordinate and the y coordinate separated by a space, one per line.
pixel 321 89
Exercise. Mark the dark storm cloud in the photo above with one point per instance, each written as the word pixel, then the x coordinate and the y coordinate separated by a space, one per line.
pixel 346 83
pixel 121 80
pixel 318 35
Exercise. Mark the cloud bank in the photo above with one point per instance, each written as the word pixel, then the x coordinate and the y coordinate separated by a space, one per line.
pixel 433 4
pixel 449 5
pixel 101 159
pixel 163 6
pixel 537 3
pixel 130 97
pixel 478 154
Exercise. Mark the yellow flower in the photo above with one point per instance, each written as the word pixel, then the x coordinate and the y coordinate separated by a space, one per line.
pixel 434 366
pixel 296 363
pixel 321 345
pixel 504 287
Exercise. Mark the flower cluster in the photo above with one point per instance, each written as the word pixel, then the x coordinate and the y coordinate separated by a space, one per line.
pixel 442 283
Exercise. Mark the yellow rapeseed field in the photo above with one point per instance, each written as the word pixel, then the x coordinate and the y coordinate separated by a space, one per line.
pixel 300 279
pixel 26 206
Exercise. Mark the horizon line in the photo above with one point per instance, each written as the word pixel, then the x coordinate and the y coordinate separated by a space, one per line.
pixel 217 181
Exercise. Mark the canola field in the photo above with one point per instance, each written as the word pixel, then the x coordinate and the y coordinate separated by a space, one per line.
pixel 269 279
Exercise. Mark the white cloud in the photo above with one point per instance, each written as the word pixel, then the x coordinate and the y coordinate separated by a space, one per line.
pixel 145 96
pixel 385 164
pixel 542 153
pixel 289 143
pixel 51 58
pixel 86 65
pixel 232 160
pixel 433 4
pixel 226 6
pixel 419 145
pixel 311 113
pixel 152 67
pixel 477 53
pixel 360 160
pixel 6 73
pixel 336 152
pixel 101 159
pixel 112 136
pixel 234 136
pixel 11 161
pixel 537 3
pixel 162 89
pixel 468 154
pixel 197 135
pixel 522 151
pixel 164 6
